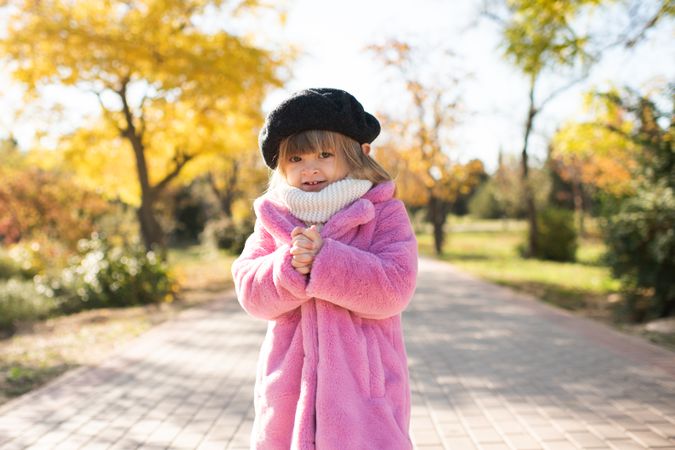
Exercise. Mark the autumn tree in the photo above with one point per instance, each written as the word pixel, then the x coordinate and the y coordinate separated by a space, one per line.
pixel 42 206
pixel 170 91
pixel 595 156
pixel 420 153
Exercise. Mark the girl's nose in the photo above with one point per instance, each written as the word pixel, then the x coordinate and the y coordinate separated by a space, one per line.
pixel 310 168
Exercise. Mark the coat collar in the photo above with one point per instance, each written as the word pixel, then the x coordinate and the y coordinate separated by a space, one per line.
pixel 279 222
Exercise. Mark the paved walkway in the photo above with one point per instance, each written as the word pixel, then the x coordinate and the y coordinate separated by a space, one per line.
pixel 490 369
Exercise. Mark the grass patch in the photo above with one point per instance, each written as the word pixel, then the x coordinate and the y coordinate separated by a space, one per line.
pixel 41 351
pixel 584 287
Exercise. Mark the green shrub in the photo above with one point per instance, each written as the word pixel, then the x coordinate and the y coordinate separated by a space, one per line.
pixel 640 242
pixel 190 211
pixel 556 235
pixel 640 229
pixel 20 261
pixel 485 203
pixel 20 300
pixel 8 267
pixel 110 276
pixel 227 234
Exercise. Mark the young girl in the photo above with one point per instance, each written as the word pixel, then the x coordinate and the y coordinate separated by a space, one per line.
pixel 331 265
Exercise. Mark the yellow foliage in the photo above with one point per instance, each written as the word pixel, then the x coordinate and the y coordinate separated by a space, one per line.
pixel 599 149
pixel 539 33
pixel 102 159
pixel 183 91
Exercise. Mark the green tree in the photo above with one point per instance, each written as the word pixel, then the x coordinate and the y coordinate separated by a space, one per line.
pixel 539 36
pixel 640 228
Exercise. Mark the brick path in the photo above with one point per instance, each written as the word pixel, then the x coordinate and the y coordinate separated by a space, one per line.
pixel 490 369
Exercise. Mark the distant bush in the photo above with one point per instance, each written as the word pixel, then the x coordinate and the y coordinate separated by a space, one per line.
pixel 227 234
pixel 556 235
pixel 191 209
pixel 640 242
pixel 46 204
pixel 30 257
pixel 485 204
pixel 109 276
pixel 20 301
pixel 8 267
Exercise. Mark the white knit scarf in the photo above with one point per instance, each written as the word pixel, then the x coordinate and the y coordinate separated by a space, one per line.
pixel 315 208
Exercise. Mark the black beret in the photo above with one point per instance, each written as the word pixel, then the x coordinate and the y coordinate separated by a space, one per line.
pixel 316 109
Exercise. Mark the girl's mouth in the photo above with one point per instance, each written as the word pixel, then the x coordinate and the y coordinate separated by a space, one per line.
pixel 312 185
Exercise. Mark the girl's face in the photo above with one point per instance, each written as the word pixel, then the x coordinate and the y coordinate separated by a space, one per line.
pixel 314 171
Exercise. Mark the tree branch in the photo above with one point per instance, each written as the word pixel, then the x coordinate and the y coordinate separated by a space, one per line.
pixel 630 43
pixel 616 130
pixel 108 114
pixel 486 11
pixel 142 114
pixel 130 130
pixel 562 89
pixel 180 159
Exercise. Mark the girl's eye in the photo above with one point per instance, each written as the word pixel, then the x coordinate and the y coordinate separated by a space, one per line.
pixel 325 155
pixel 294 159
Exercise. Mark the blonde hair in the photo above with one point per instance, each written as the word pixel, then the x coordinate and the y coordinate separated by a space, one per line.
pixel 361 166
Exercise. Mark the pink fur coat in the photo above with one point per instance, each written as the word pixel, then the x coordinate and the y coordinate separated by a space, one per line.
pixel 332 372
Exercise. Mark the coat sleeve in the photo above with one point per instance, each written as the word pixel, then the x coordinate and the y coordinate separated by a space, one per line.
pixel 266 284
pixel 374 284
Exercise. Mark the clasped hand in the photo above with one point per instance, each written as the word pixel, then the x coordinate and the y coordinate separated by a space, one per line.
pixel 305 244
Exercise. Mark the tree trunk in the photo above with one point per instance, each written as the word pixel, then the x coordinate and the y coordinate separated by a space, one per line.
pixel 532 249
pixel 578 204
pixel 226 196
pixel 226 204
pixel 437 217
pixel 151 231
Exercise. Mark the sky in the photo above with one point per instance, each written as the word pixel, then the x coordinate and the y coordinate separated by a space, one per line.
pixel 332 36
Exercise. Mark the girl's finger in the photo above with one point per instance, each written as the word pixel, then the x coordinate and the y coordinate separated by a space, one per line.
pixel 300 250
pixel 307 245
pixel 301 267
pixel 304 258
pixel 300 236
pixel 305 248
pixel 297 231
pixel 312 233
pixel 298 263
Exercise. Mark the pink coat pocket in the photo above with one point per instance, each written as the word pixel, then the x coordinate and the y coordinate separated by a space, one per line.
pixel 377 381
